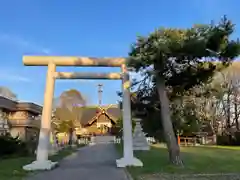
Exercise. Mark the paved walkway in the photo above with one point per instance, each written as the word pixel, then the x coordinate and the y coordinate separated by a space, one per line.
pixel 89 163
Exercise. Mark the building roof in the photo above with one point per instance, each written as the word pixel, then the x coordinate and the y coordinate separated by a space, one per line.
pixel 90 114
pixel 12 105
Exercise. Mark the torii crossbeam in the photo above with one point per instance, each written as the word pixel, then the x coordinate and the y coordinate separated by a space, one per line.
pixel 72 61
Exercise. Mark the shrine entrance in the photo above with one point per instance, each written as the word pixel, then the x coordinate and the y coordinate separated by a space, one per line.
pixel 42 162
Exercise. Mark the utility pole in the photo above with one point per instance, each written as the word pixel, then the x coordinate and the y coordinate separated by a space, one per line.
pixel 100 94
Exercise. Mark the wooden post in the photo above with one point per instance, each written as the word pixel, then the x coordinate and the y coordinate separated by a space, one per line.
pixel 179 140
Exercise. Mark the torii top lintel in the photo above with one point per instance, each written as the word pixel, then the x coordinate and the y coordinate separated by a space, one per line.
pixel 72 61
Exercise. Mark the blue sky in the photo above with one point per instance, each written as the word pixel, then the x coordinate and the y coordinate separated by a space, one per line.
pixel 88 28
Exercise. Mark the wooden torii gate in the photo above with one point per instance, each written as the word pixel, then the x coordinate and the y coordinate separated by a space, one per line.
pixel 42 162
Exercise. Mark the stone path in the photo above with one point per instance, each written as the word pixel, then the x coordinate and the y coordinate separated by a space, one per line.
pixel 95 162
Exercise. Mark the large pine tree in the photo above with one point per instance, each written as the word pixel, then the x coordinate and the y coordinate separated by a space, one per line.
pixel 179 59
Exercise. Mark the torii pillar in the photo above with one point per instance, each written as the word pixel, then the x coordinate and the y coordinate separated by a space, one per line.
pixel 42 162
pixel 128 158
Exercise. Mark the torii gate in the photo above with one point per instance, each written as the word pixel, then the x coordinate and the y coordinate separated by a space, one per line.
pixel 42 162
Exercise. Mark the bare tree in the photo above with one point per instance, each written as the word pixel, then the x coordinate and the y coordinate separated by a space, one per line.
pixel 69 111
pixel 227 84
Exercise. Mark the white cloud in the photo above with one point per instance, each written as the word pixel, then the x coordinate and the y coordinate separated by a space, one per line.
pixel 22 75
pixel 13 77
pixel 22 43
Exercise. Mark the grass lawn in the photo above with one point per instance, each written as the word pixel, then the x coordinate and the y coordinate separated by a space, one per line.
pixel 197 160
pixel 11 169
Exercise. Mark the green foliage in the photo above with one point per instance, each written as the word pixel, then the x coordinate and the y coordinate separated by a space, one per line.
pixel 152 125
pixel 120 123
pixel 63 126
pixel 223 140
pixel 66 126
pixel 12 146
pixel 184 59
pixel 236 138
pixel 229 140
pixel 68 112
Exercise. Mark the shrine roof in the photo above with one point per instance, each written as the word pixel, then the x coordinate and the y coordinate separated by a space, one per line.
pixel 91 113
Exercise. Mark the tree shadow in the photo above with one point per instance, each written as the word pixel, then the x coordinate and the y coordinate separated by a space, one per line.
pixel 195 159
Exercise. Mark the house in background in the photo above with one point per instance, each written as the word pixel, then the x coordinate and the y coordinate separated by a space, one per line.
pixel 19 118
pixel 98 119
pixel 22 119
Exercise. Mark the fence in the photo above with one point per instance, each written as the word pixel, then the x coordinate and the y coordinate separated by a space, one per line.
pixel 151 140
pixel 99 140
pixel 106 139
pixel 188 141
pixel 194 141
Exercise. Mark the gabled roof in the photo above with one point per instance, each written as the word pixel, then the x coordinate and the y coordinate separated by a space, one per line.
pixel 90 114
pixel 114 113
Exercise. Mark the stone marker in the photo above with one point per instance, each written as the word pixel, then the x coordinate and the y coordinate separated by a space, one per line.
pixel 139 140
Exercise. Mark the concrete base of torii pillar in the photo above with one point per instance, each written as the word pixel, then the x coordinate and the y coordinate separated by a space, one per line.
pixel 125 162
pixel 40 165
pixel 42 162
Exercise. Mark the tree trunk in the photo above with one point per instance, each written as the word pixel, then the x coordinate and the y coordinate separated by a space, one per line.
pixel 236 113
pixel 55 139
pixel 53 144
pixel 228 120
pixel 173 147
pixel 70 141
pixel 228 123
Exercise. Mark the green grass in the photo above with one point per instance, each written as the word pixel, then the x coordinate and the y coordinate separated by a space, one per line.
pixel 207 159
pixel 11 169
pixel 65 152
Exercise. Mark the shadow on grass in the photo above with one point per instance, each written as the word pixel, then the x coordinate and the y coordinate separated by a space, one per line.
pixel 196 160
pixel 11 169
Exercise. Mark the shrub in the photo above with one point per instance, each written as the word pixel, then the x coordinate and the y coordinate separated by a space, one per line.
pixel 229 140
pixel 223 140
pixel 236 139
pixel 31 145
pixel 12 146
